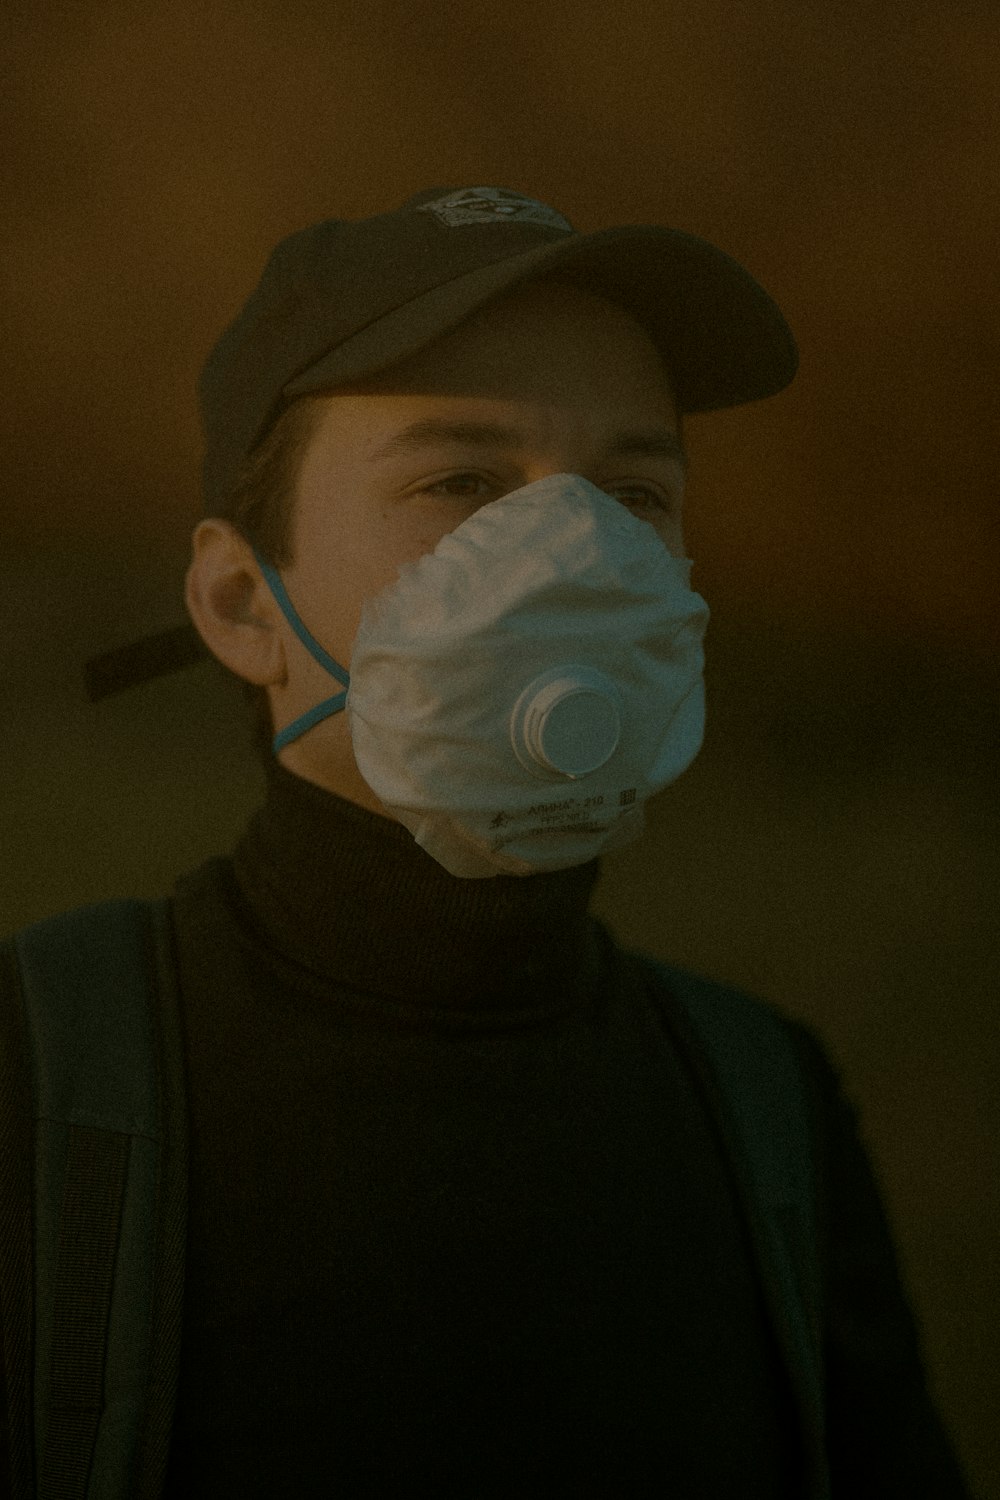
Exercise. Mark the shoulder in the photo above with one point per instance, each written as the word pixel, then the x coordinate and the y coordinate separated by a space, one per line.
pixel 729 1005
pixel 754 1040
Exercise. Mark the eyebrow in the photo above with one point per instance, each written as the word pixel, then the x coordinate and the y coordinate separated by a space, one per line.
pixel 430 432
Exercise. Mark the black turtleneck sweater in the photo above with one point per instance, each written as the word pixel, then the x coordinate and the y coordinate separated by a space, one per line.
pixel 459 1225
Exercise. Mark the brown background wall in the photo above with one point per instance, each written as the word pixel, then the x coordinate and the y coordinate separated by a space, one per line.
pixel 834 847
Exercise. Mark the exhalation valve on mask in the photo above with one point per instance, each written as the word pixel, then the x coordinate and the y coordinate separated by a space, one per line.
pixel 550 638
pixel 566 723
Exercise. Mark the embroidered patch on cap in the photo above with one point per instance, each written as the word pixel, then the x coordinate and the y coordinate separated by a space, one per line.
pixel 490 205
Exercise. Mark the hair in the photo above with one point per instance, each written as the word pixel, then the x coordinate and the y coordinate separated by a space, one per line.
pixel 261 507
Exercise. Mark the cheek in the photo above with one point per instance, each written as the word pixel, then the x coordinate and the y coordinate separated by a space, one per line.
pixel 403 535
pixel 678 541
pixel 368 571
pixel 670 530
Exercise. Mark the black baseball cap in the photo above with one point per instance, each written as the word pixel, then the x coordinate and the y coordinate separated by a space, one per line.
pixel 344 299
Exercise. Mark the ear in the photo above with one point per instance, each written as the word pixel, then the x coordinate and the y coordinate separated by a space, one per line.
pixel 231 606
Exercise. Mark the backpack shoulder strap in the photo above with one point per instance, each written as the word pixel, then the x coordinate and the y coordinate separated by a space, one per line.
pixel 96 992
pixel 750 1073
pixel 17 1468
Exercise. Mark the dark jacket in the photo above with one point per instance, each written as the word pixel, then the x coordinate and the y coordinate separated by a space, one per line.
pixel 464 1216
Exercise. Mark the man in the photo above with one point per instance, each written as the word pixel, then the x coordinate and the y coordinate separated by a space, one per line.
pixel 460 1220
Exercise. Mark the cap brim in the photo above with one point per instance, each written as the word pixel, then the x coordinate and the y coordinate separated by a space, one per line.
pixel 722 336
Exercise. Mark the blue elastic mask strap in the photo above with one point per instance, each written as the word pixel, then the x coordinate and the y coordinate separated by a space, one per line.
pixel 330 705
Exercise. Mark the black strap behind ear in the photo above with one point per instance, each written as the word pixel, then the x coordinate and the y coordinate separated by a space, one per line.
pixel 128 666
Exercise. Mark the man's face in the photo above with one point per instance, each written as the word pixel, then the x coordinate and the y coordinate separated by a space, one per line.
pixel 567 371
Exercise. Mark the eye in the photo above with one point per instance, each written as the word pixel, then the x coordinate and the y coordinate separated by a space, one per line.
pixel 440 484
pixel 649 495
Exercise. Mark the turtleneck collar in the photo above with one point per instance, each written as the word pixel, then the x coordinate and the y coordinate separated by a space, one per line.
pixel 351 896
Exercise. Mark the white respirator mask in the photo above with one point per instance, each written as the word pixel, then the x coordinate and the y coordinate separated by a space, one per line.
pixel 519 693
